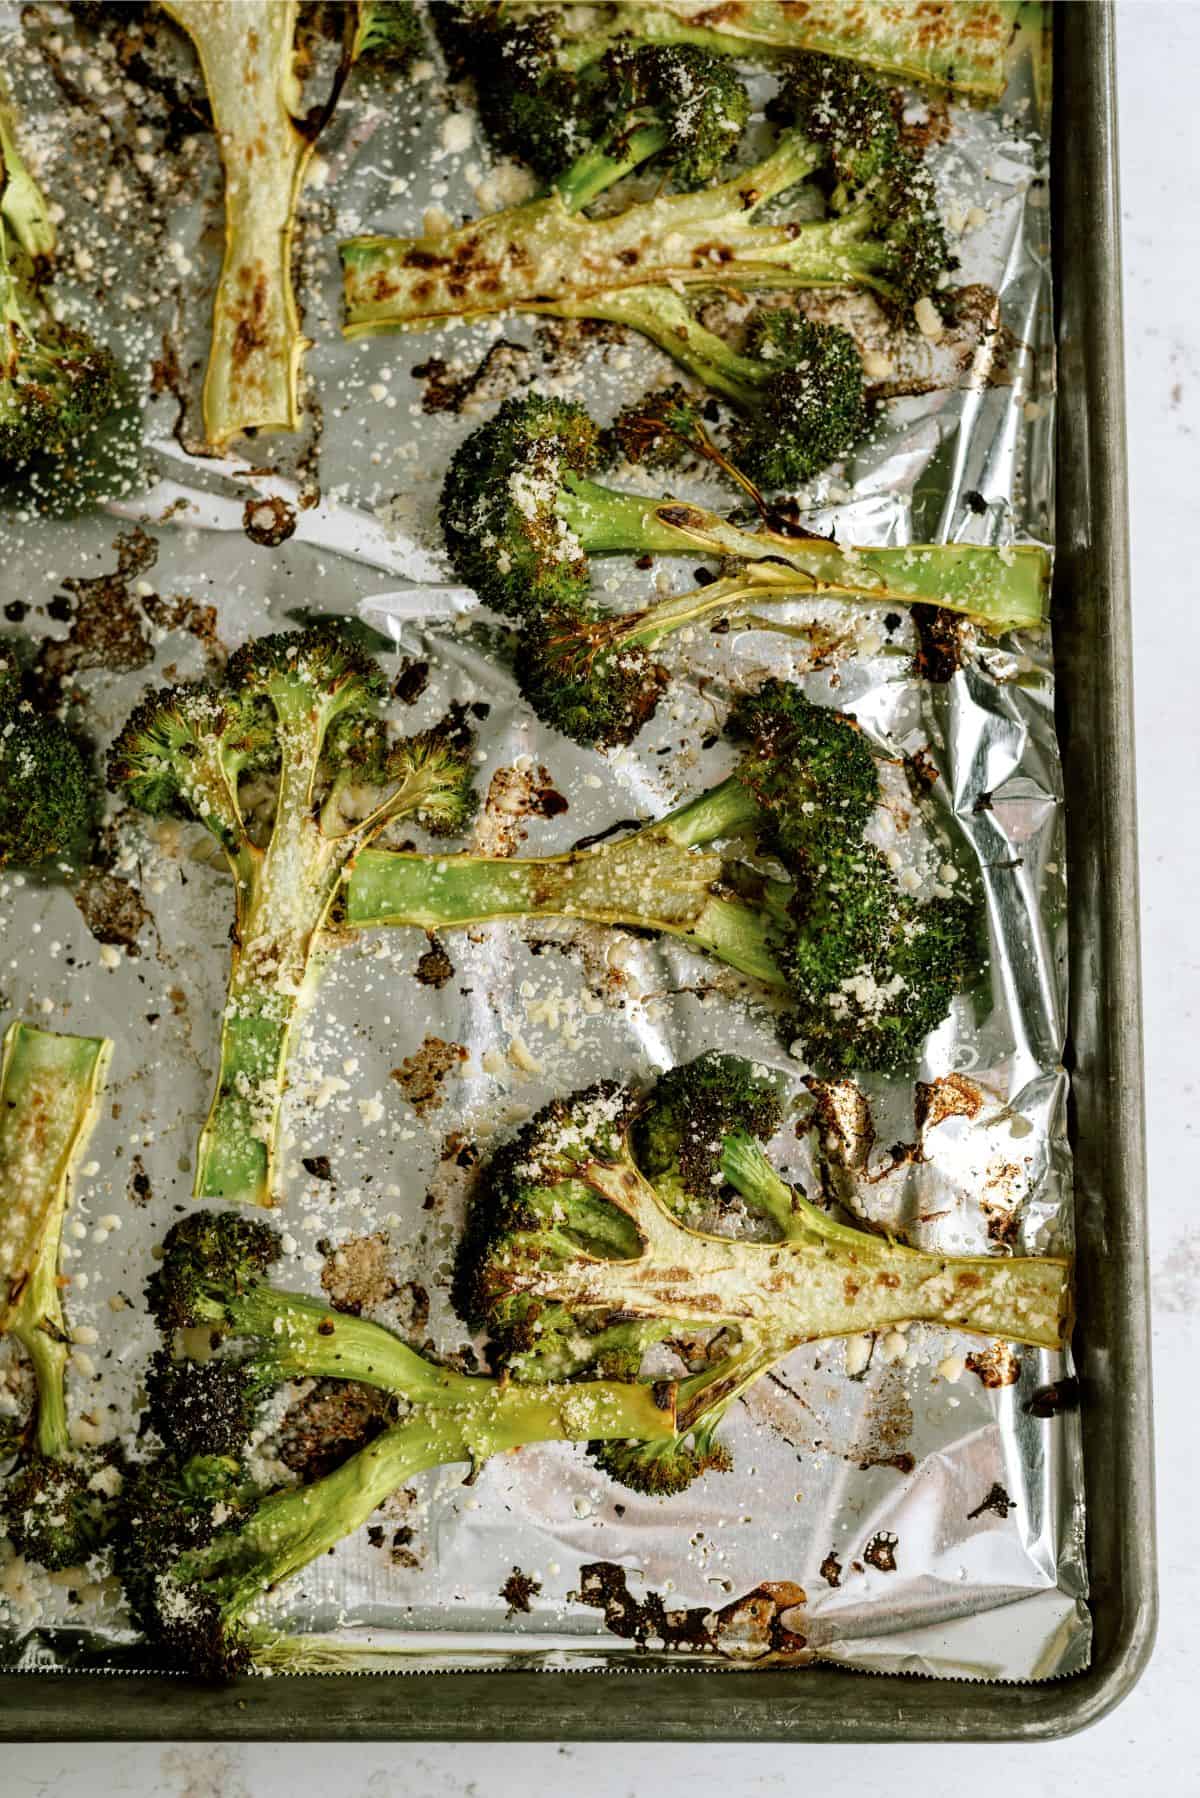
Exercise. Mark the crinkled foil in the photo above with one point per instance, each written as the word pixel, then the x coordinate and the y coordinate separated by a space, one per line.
pixel 896 1504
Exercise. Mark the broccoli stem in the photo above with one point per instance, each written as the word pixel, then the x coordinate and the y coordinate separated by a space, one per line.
pixel 663 316
pixel 950 48
pixel 49 1088
pixel 541 251
pixel 608 522
pixel 292 1527
pixel 247 54
pixel 824 1280
pixel 595 171
pixel 659 878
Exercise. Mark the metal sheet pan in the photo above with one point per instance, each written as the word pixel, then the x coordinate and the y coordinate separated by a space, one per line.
pixel 1092 635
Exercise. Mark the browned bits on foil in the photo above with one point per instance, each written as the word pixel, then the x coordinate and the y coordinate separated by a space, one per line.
pixel 831 1570
pixel 329 1424
pixel 997 1500
pixel 421 1076
pixel 138 1189
pixel 112 909
pixel 880 1551
pixel 269 521
pixel 995 1366
pixel 517 1591
pixel 940 643
pixel 761 1627
pixel 357 1274
pixel 949 1096
pixel 434 967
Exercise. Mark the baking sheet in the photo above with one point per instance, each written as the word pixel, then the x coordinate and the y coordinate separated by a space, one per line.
pixel 822 1454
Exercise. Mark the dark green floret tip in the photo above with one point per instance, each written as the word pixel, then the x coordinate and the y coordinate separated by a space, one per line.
pixel 59 1511
pixel 207 1256
pixel 660 1469
pixel 679 1137
pixel 46 791
pixel 658 431
pixel 812 409
pixel 203 1407
pixel 597 691
pixel 389 33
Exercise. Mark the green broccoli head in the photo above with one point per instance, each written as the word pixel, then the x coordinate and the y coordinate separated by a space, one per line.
pixel 679 1136
pixel 872 971
pixel 59 1511
pixel 582 678
pixel 183 749
pixel 56 384
pixel 389 33
pixel 811 410
pixel 207 1257
pixel 320 669
pixel 811 770
pixel 662 1469
pixel 529 105
pixel 46 799
pixel 844 108
pixel 500 507
pixel 697 100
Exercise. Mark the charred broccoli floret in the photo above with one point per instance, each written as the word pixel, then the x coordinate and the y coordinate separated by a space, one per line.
pixel 881 232
pixel 570 1243
pixel 304 708
pixel 389 33
pixel 56 1505
pixel 56 383
pixel 870 968
pixel 199 1545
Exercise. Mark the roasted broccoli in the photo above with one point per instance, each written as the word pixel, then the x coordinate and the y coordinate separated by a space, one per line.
pixel 522 513
pixel 882 230
pixel 870 968
pixel 266 136
pixel 56 1505
pixel 56 383
pixel 576 1253
pixel 303 707
pixel 46 798
pixel 959 47
pixel 798 385
pixel 388 32
pixel 199 1546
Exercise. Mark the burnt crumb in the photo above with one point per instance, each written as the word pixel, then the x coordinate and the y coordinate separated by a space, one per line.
pixel 328 1425
pixel 759 1627
pixel 517 1591
pixel 976 502
pixel 831 1570
pixel 269 521
pixel 375 1535
pixel 1049 1401
pixel 138 1189
pixel 401 1553
pixel 480 709
pixel 880 1551
pixel 950 1095
pixel 420 1077
pixel 112 909
pixel 922 772
pixel 997 1500
pixel 940 643
pixel 983 804
pixel 411 681
pixel 995 1366
pixel 502 371
pixel 459 1149
pixel 60 608
pixel 434 967
pixel 357 1274
pixel 318 1167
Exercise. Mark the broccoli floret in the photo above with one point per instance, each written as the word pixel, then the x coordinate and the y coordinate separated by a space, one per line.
pixel 303 707
pixel 680 108
pixel 56 383
pixel 658 431
pixel 871 969
pixel 46 789
pixel 198 1545
pixel 582 683
pixel 882 233
pixel 521 514
pixel 57 1504
pixel 568 1240
pixel 678 1138
pixel 389 33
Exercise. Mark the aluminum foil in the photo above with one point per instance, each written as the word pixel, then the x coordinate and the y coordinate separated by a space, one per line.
pixel 895 1505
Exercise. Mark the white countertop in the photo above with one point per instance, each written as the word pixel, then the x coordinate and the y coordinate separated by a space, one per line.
pixel 1150 1743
